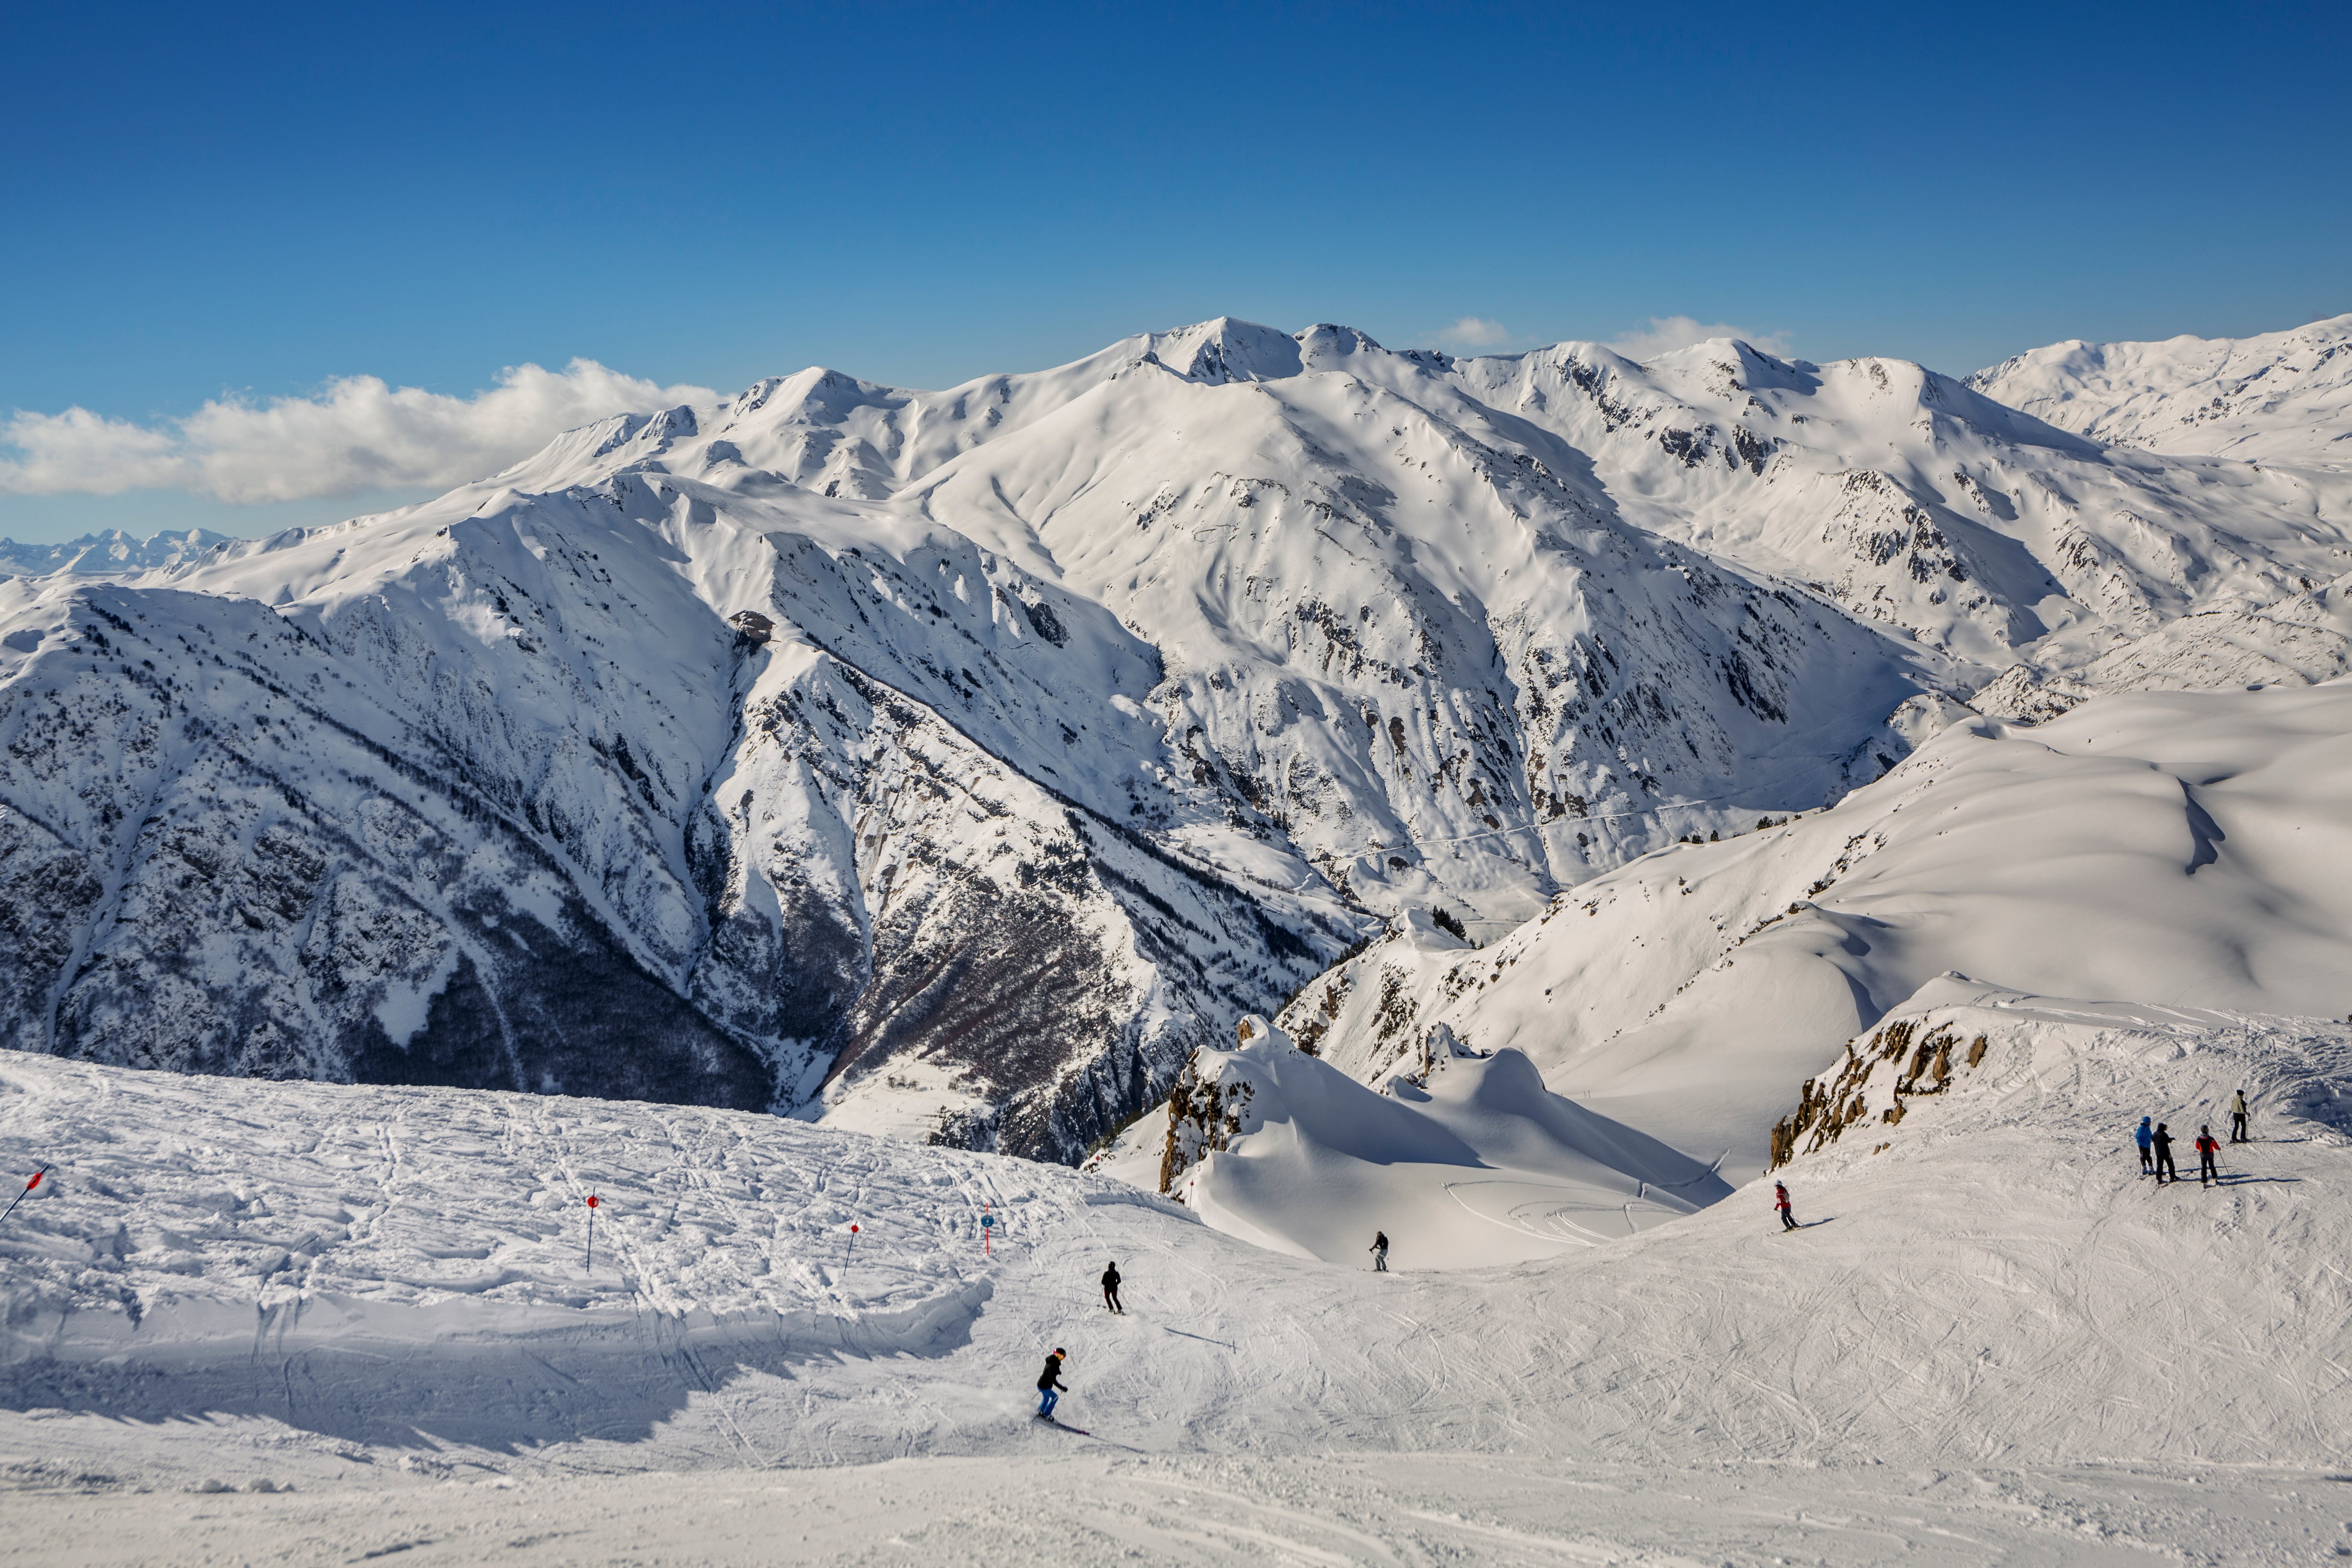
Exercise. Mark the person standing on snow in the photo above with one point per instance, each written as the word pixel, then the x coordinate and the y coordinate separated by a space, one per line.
pixel 2208 1173
pixel 1380 1252
pixel 2163 1165
pixel 1049 1384
pixel 1110 1290
pixel 2146 1136
pixel 2238 1117
pixel 1781 1202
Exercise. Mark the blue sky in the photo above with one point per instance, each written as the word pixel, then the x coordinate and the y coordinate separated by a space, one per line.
pixel 250 202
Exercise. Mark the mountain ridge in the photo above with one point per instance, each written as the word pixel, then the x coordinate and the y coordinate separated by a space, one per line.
pixel 1088 708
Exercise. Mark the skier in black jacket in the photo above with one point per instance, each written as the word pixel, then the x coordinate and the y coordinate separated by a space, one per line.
pixel 1110 1290
pixel 2163 1165
pixel 1049 1384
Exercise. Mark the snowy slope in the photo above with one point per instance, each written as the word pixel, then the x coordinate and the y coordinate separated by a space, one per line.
pixel 516 807
pixel 1469 1155
pixel 1991 1287
pixel 2182 849
pixel 1913 500
pixel 2281 397
pixel 1075 712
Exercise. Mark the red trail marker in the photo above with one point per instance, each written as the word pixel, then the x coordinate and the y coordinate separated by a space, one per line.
pixel 592 1233
pixel 29 1187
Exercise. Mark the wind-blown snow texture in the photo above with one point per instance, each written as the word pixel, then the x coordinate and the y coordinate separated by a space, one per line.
pixel 1078 713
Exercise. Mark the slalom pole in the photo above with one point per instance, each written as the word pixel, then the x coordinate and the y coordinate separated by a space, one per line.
pixel 591 1265
pixel 847 1254
pixel 20 1196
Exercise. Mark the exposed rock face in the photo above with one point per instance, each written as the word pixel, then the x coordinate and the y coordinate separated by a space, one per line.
pixel 1868 1089
pixel 955 764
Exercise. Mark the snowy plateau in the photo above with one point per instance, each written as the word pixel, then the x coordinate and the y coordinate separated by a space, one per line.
pixel 1198 807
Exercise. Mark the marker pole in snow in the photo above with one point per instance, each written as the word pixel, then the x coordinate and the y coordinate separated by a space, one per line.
pixel 29 1187
pixel 592 1233
pixel 987 1231
pixel 847 1253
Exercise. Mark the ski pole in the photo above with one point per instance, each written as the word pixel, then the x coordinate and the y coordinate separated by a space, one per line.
pixel 20 1196
pixel 591 1264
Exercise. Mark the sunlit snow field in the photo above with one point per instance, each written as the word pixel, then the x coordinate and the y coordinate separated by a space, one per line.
pixel 1993 1340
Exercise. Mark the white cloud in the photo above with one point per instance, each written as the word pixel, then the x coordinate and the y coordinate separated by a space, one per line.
pixel 1666 333
pixel 1471 333
pixel 357 433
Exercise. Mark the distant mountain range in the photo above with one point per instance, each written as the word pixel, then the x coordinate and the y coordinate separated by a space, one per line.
pixel 953 763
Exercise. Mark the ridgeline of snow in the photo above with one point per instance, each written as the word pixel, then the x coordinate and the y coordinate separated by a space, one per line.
pixel 2279 397
pixel 2174 849
pixel 1075 713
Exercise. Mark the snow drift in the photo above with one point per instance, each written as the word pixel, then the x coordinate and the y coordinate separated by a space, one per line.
pixel 1467 1160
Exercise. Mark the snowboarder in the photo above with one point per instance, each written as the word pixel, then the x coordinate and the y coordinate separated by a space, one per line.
pixel 2208 1173
pixel 2238 1117
pixel 2146 1133
pixel 1380 1252
pixel 1110 1290
pixel 1781 1202
pixel 2163 1165
pixel 1049 1384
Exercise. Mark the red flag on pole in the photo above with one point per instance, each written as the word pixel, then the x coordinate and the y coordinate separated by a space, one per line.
pixel 29 1187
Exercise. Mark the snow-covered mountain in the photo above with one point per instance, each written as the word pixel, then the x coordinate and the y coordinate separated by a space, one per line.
pixel 955 764
pixel 2281 397
pixel 114 553
pixel 2164 850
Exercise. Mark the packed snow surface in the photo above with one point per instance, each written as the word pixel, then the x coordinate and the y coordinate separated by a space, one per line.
pixel 1989 1325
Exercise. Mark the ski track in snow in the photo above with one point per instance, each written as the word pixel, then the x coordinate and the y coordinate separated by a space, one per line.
pixel 2004 1346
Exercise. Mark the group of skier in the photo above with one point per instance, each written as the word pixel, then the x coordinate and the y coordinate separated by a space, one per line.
pixel 2155 1140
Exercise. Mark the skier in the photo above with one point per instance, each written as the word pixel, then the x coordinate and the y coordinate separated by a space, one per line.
pixel 2163 1165
pixel 2146 1136
pixel 1049 1384
pixel 1380 1252
pixel 2208 1173
pixel 2238 1117
pixel 1110 1290
pixel 1781 1202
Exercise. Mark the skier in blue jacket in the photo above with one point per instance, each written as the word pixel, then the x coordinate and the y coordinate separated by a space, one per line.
pixel 2146 1136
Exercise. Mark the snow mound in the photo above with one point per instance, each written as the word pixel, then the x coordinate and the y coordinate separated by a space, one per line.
pixel 1468 1160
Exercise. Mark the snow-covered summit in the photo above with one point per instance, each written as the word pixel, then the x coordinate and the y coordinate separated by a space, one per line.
pixel 1101 705
pixel 2279 397
pixel 114 553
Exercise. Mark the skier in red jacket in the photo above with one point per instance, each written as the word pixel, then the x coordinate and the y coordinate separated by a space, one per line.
pixel 1781 1202
pixel 2207 1172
